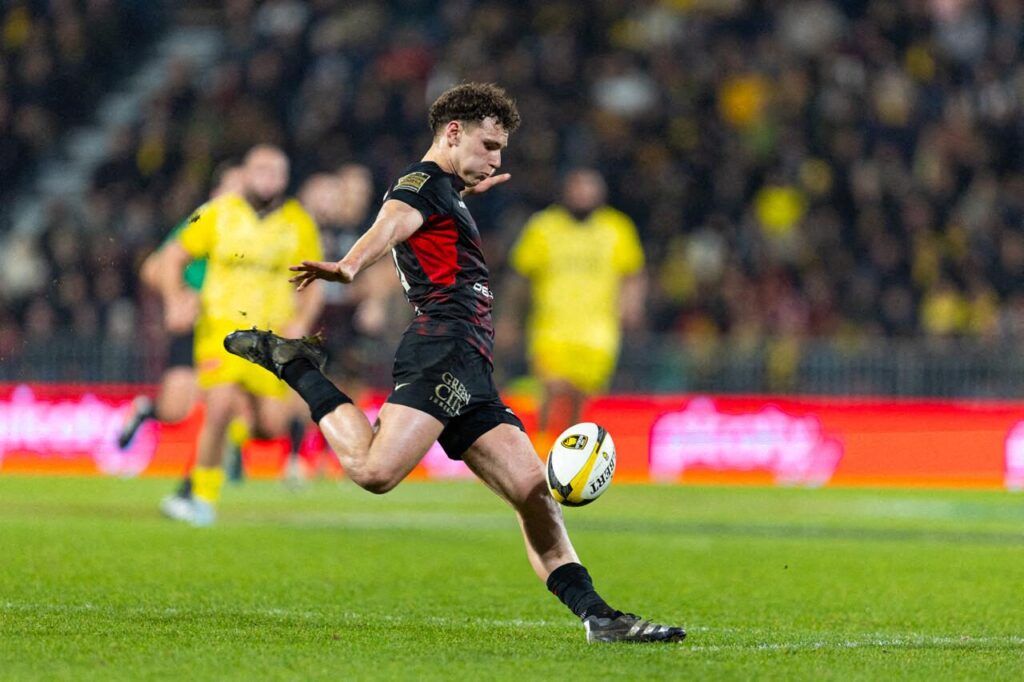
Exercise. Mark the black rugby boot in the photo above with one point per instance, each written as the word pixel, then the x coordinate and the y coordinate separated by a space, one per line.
pixel 625 627
pixel 272 352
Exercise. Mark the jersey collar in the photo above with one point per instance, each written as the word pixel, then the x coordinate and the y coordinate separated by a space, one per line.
pixel 457 184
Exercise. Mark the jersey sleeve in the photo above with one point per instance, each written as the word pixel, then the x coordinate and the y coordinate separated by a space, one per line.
pixel 197 235
pixel 426 192
pixel 629 255
pixel 529 254
pixel 173 235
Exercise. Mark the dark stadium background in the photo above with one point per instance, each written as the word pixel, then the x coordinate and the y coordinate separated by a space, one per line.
pixel 830 194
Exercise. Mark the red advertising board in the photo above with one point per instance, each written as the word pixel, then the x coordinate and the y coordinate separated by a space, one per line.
pixel 815 441
pixel 47 428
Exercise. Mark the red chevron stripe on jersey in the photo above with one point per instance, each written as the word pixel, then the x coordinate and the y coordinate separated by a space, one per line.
pixel 434 245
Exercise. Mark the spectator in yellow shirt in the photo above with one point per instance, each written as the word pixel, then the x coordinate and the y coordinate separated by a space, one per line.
pixel 583 263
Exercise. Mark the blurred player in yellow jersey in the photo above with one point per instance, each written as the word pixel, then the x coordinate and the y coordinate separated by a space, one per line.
pixel 249 240
pixel 583 262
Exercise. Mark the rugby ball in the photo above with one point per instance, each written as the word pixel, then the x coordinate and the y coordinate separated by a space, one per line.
pixel 580 464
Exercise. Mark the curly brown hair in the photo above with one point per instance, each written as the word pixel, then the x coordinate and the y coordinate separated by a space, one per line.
pixel 472 103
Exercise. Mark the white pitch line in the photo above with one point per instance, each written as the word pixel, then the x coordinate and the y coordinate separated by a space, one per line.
pixel 915 642
pixel 276 612
pixel 869 641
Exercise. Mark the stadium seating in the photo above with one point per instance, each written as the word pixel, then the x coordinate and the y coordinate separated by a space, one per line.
pixel 838 172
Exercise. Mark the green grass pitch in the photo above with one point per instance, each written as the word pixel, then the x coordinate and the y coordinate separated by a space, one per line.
pixel 431 582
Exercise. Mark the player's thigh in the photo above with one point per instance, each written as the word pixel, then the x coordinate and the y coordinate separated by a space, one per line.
pixel 178 393
pixel 222 403
pixel 403 436
pixel 504 459
pixel 272 416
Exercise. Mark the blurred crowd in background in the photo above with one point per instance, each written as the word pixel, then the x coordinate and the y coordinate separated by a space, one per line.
pixel 58 58
pixel 797 169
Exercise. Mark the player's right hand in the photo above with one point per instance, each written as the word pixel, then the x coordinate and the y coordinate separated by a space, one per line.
pixel 310 271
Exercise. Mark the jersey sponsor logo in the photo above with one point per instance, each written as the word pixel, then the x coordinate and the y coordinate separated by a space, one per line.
pixel 450 395
pixel 413 181
pixel 482 290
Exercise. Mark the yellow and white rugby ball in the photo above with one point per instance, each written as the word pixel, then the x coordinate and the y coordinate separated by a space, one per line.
pixel 580 464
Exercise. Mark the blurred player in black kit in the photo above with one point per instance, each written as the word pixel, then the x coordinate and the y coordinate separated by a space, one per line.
pixel 444 389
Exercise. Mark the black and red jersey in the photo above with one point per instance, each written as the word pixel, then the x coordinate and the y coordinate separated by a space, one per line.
pixel 441 266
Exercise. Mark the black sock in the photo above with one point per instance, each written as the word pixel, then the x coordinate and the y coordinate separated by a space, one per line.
pixel 296 431
pixel 149 413
pixel 185 487
pixel 319 393
pixel 571 583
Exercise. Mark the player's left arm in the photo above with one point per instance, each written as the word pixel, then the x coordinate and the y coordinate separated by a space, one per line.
pixel 629 262
pixel 631 301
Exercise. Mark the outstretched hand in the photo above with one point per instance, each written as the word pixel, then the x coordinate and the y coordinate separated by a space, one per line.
pixel 310 271
pixel 484 185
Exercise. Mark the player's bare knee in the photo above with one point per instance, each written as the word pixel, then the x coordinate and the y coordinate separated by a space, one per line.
pixel 377 481
pixel 374 477
pixel 172 411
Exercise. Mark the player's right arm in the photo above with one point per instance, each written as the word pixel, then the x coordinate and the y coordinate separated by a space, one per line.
pixel 396 222
pixel 181 304
pixel 149 273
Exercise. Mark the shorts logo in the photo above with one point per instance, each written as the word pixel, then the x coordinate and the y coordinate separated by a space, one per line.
pixel 575 442
pixel 450 395
pixel 413 181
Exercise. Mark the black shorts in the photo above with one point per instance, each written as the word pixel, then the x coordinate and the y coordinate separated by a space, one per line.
pixel 181 351
pixel 451 381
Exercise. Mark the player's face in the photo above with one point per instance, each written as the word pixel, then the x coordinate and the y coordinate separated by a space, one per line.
pixel 478 154
pixel 584 191
pixel 266 174
pixel 321 196
pixel 356 194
